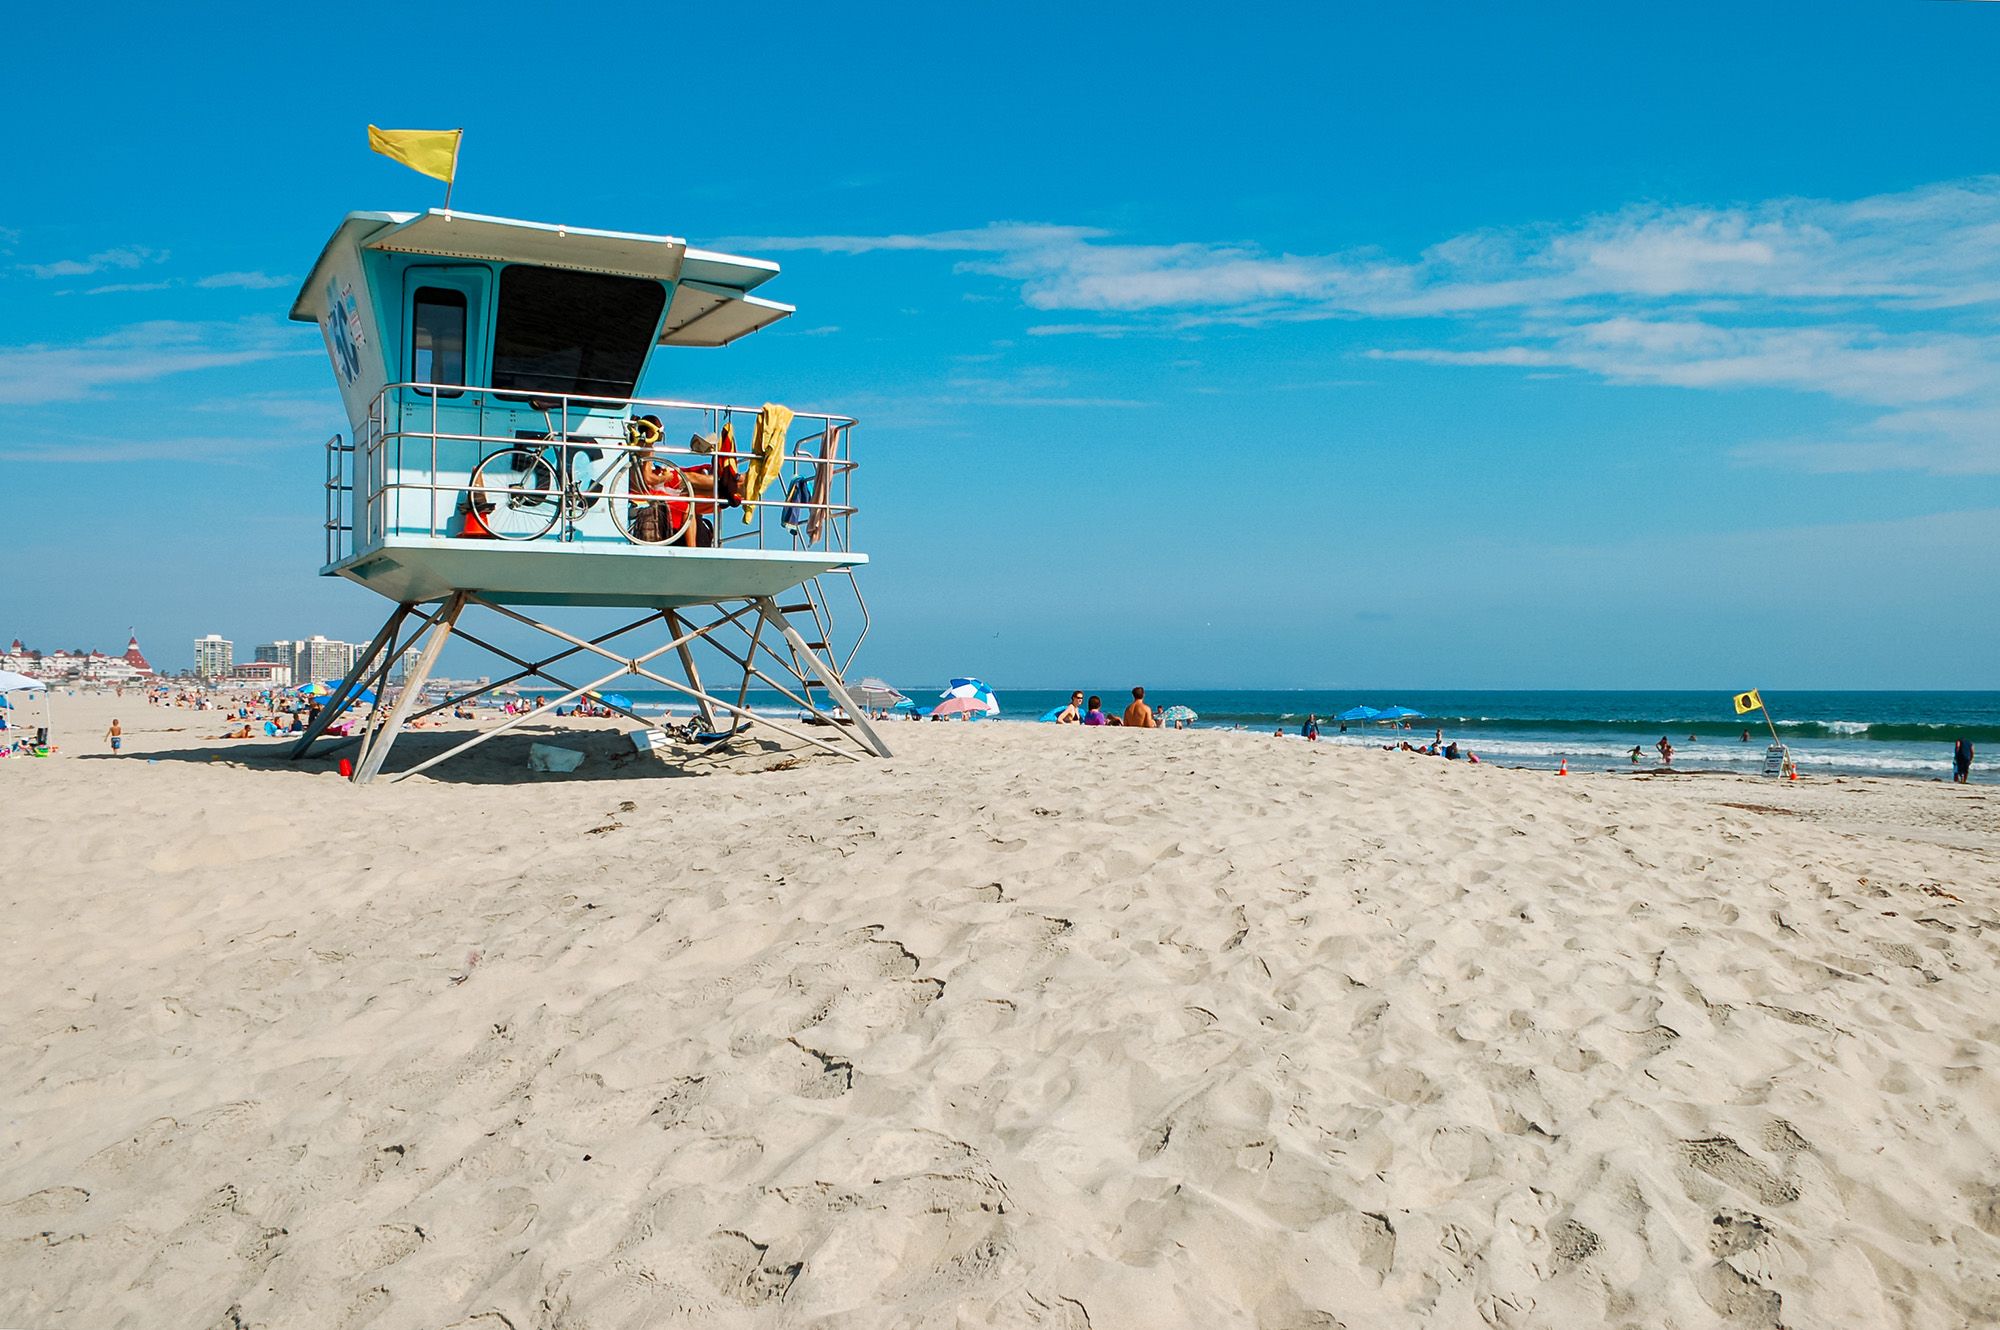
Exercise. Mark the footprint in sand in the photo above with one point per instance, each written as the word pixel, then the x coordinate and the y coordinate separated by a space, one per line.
pixel 735 1266
pixel 807 1072
pixel 1725 1161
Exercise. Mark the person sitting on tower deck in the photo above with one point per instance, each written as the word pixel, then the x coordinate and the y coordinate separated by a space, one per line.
pixel 707 489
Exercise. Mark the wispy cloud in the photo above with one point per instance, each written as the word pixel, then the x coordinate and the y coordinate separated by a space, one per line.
pixel 1948 441
pixel 117 288
pixel 1887 300
pixel 248 281
pixel 42 372
pixel 1858 363
pixel 96 450
pixel 994 238
pixel 125 256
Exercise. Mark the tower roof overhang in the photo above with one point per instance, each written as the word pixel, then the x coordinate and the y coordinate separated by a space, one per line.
pixel 712 303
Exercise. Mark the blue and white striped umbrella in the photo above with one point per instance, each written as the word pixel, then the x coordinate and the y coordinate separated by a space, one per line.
pixel 974 690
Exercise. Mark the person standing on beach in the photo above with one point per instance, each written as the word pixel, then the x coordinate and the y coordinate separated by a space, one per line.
pixel 1139 715
pixel 1961 762
pixel 116 734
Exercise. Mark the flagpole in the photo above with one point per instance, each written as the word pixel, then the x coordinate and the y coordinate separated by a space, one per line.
pixel 452 179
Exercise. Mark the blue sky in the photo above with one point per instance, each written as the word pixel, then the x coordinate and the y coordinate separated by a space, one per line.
pixel 1415 345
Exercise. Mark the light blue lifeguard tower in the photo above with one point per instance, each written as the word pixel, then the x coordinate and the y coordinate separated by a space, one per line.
pixel 500 461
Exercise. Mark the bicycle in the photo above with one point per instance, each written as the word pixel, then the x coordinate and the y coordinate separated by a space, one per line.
pixel 522 492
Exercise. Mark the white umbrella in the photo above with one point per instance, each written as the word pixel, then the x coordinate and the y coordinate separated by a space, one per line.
pixel 878 693
pixel 10 682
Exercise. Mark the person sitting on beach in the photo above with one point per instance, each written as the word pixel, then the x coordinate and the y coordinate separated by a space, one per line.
pixel 1451 751
pixel 1666 750
pixel 1073 713
pixel 1138 715
pixel 1095 715
pixel 695 487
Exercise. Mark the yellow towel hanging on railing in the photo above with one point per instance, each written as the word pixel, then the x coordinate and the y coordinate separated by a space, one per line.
pixel 767 455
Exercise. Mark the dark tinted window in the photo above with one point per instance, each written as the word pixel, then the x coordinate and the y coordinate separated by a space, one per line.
pixel 573 332
pixel 437 336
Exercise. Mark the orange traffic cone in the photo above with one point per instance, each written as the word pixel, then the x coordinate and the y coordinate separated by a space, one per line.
pixel 1563 770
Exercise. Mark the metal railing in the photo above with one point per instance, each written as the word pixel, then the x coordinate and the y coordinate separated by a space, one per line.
pixel 410 470
pixel 339 499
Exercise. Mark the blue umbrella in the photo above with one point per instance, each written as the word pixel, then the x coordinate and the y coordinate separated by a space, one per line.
pixel 1358 713
pixel 616 700
pixel 1397 713
pixel 905 706
pixel 1049 716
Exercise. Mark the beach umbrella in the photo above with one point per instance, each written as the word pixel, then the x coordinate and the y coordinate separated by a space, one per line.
pixel 875 692
pixel 10 682
pixel 1178 713
pixel 962 706
pixel 616 700
pixel 1358 713
pixel 1398 713
pixel 971 690
pixel 1049 716
pixel 904 706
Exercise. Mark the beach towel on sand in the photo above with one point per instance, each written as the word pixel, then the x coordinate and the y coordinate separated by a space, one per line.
pixel 767 454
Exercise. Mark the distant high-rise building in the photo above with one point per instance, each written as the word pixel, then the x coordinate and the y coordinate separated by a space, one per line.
pixel 281 652
pixel 214 656
pixel 404 664
pixel 319 658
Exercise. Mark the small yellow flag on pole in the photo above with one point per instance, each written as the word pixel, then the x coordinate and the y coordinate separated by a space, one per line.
pixel 431 151
pixel 1748 702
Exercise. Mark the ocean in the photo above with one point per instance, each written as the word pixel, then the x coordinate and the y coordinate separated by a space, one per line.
pixel 1829 733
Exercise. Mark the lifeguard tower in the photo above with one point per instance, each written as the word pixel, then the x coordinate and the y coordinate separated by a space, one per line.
pixel 499 461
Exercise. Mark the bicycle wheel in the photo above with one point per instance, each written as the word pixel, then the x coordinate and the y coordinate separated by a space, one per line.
pixel 644 515
pixel 515 493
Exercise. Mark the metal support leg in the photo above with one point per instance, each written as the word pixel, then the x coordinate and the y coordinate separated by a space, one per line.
pixel 829 677
pixel 350 682
pixel 708 717
pixel 377 751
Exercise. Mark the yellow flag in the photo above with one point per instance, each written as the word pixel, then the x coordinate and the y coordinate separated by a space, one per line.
pixel 431 151
pixel 1749 701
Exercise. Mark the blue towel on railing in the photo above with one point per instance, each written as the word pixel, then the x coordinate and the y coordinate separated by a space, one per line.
pixel 796 516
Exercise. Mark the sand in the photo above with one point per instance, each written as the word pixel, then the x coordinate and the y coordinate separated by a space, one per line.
pixel 1024 1027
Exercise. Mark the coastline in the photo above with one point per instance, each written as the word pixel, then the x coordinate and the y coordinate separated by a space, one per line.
pixel 1023 1026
